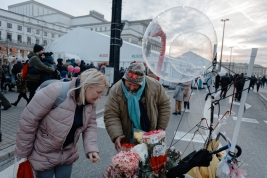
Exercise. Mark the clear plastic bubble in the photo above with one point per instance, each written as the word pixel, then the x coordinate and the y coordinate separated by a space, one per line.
pixel 178 44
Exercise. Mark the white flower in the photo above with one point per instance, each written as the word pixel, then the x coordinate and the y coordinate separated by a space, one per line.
pixel 141 150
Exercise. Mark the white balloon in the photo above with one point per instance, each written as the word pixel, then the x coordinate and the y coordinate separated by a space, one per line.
pixel 185 37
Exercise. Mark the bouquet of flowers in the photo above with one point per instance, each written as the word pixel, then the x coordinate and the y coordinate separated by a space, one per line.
pixel 147 159
pixel 155 141
pixel 124 165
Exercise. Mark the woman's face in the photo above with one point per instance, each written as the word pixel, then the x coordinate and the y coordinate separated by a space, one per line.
pixel 94 93
pixel 42 56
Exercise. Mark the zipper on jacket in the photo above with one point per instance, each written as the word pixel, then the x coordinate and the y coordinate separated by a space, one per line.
pixel 62 157
pixel 64 142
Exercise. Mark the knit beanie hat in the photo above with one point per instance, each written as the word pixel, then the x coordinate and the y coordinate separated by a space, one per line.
pixel 135 73
pixel 37 48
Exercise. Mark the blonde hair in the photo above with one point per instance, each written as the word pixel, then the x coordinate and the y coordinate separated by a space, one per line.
pixel 89 78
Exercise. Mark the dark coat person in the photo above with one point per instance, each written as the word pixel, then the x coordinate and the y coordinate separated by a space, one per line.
pixel 225 80
pixel 60 65
pixel 217 82
pixel 91 66
pixel 240 82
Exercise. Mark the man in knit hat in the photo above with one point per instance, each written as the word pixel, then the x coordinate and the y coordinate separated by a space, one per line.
pixel 35 66
pixel 135 102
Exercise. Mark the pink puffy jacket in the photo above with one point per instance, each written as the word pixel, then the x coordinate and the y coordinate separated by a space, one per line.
pixel 42 130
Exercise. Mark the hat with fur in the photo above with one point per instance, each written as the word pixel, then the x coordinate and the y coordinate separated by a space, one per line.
pixel 135 73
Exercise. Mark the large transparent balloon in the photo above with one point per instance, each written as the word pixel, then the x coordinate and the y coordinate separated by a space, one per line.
pixel 178 44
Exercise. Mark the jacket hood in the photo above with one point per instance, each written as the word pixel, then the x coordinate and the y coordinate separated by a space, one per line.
pixel 31 54
pixel 49 59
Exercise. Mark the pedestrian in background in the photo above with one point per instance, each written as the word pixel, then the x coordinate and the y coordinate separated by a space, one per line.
pixel 258 84
pixel 225 80
pixel 60 65
pixel 4 102
pixel 178 95
pixel 7 71
pixel 217 82
pixel 66 65
pixel 22 89
pixel 91 66
pixel 48 137
pixel 187 93
pixel 17 68
pixel 263 80
pixel 122 72
pixel 240 82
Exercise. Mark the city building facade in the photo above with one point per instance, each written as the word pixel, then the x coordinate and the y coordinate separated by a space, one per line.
pixel 30 22
pixel 239 68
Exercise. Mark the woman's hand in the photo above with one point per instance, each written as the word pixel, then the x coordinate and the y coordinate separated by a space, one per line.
pixel 94 157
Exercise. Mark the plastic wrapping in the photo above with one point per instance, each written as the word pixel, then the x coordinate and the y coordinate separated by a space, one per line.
pixel 155 141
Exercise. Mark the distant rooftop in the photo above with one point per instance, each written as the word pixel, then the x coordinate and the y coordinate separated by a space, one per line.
pixel 242 64
pixel 91 13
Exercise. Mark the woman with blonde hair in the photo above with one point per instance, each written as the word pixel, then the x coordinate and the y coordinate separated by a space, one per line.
pixel 48 135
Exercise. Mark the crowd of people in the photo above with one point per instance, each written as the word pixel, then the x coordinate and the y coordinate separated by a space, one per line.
pixel 239 81
pixel 57 113
pixel 41 66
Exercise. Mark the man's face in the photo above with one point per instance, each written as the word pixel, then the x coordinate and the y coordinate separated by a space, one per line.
pixel 133 87
pixel 40 52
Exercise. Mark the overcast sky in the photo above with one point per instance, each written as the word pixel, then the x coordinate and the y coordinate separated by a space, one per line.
pixel 246 29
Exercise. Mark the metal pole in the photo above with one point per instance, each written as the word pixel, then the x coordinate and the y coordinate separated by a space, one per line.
pixel 115 38
pixel 223 20
pixel 243 100
pixel 230 59
pixel 0 123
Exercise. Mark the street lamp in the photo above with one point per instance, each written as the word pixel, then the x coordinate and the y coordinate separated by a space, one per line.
pixel 230 58
pixel 222 20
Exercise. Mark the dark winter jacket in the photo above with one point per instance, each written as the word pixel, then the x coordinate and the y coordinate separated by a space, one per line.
pixel 217 81
pixel 240 82
pixel 225 81
pixel 82 66
pixel 60 67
